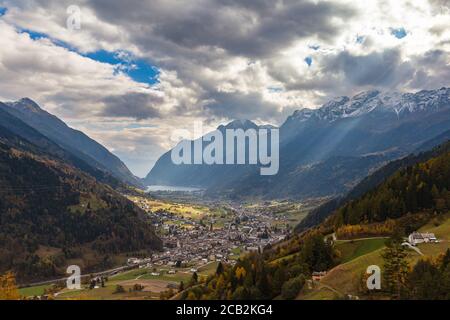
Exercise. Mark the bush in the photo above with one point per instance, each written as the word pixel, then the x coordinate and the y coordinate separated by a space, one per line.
pixel 119 289
pixel 292 287
pixel 138 287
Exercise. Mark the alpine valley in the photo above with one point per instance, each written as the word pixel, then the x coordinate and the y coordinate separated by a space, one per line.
pixel 357 178
pixel 326 151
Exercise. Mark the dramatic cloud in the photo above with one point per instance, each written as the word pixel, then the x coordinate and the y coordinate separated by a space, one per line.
pixel 136 105
pixel 138 69
pixel 245 28
pixel 380 69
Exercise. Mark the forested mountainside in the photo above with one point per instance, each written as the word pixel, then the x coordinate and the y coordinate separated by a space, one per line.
pixel 404 202
pixel 325 151
pixel 41 144
pixel 52 214
pixel 421 187
pixel 319 214
pixel 74 142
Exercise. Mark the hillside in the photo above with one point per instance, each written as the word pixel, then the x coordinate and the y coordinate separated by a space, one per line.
pixel 347 277
pixel 20 133
pixel 417 188
pixel 412 198
pixel 52 214
pixel 317 215
pixel 73 141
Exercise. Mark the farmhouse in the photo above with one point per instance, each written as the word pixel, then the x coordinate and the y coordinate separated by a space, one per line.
pixel 317 276
pixel 133 261
pixel 416 238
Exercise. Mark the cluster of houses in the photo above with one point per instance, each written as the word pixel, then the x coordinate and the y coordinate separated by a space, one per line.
pixel 189 242
pixel 201 244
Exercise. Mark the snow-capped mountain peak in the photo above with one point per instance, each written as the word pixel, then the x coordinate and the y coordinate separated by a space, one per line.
pixel 374 100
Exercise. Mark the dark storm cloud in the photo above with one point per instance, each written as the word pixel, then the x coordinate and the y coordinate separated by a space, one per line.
pixel 188 36
pixel 235 105
pixel 381 69
pixel 133 105
pixel 432 70
pixel 196 43
pixel 193 37
pixel 345 73
pixel 440 6
pixel 247 28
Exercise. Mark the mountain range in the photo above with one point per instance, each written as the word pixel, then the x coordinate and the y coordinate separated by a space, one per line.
pixel 325 151
pixel 165 172
pixel 74 142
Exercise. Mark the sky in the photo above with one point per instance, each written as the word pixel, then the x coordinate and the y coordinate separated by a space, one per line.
pixel 136 70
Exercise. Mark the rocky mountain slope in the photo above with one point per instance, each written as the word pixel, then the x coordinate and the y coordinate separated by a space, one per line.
pixel 326 151
pixel 73 141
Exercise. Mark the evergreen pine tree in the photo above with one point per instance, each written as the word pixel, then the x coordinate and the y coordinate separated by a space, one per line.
pixel 395 266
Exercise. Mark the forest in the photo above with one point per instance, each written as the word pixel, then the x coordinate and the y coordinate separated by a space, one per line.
pixel 47 204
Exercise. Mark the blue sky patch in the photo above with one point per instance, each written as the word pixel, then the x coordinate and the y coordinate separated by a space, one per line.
pixel 137 69
pixel 399 33
pixel 3 11
pixel 138 126
pixel 35 35
pixel 308 61
pixel 275 89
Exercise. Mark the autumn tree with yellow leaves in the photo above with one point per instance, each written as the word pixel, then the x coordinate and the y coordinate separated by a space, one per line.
pixel 8 288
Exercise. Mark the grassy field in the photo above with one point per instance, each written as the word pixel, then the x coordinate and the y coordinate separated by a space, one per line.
pixel 208 269
pixel 358 255
pixel 353 249
pixel 440 227
pixel 34 291
pixel 288 257
pixel 433 250
pixel 195 212
pixel 236 253
pixel 128 275
pixel 153 285
pixel 177 277
pixel 346 277
pixel 283 212
pixel 320 293
pixel 108 293
pixel 85 200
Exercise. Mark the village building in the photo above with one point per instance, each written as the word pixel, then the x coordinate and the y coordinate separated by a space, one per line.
pixel 417 237
pixel 318 275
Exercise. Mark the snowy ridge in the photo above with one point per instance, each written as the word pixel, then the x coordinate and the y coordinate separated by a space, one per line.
pixel 374 100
